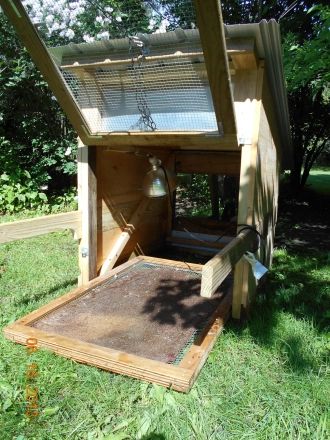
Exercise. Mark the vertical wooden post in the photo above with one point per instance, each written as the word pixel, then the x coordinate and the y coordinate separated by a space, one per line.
pixel 87 201
pixel 242 274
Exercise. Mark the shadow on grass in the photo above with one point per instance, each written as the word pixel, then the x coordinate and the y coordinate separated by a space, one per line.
pixel 153 436
pixel 27 299
pixel 297 285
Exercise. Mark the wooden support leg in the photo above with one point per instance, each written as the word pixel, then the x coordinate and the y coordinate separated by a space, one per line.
pixel 87 201
pixel 124 237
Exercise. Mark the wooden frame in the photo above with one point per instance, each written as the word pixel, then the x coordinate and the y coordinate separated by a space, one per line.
pixel 179 377
pixel 218 72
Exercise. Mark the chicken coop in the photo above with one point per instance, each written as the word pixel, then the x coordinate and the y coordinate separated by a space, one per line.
pixel 167 93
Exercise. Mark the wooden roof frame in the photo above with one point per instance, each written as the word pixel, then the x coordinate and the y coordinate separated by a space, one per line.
pixel 214 47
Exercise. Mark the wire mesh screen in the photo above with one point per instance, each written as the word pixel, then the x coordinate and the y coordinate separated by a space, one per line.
pixel 150 310
pixel 131 65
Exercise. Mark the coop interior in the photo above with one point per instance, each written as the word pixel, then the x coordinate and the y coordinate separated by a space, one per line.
pixel 168 86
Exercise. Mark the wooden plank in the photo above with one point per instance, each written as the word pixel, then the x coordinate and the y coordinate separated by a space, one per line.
pixel 253 92
pixel 181 264
pixel 211 30
pixel 40 55
pixel 227 163
pixel 171 140
pixel 116 361
pixel 243 53
pixel 218 268
pixel 198 353
pixel 191 242
pixel 235 47
pixel 87 202
pixel 41 225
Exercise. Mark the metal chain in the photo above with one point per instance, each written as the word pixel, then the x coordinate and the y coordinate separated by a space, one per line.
pixel 137 49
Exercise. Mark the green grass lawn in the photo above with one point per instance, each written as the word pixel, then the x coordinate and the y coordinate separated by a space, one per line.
pixel 319 180
pixel 266 379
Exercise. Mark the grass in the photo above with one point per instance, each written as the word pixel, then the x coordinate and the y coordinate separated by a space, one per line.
pixel 266 379
pixel 319 180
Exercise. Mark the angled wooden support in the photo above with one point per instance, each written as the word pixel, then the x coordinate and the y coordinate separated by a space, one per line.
pixel 41 225
pixel 29 36
pixel 218 268
pixel 209 18
pixel 124 237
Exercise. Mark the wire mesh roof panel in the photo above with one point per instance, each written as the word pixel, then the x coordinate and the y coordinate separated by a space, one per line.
pixel 131 65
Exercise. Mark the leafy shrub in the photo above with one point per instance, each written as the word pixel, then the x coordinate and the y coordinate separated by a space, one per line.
pixel 18 192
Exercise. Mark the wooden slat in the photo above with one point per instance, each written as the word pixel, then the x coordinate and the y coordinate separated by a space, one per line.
pixel 218 268
pixel 40 225
pixel 87 201
pixel 40 55
pixel 106 358
pixel 172 140
pixel 211 30
pixel 227 163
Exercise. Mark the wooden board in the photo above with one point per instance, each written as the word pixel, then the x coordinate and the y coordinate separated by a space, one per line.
pixel 179 377
pixel 227 163
pixel 248 96
pixel 41 225
pixel 212 34
pixel 219 267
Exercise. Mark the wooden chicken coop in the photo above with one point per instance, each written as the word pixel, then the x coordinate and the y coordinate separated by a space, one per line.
pixel 200 98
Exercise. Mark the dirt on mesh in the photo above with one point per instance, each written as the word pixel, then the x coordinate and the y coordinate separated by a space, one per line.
pixel 148 310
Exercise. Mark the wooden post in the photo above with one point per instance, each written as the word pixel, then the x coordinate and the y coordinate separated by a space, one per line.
pixel 212 34
pixel 242 273
pixel 87 203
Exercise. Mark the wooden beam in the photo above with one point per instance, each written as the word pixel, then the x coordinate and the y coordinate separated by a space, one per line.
pixel 41 225
pixel 29 36
pixel 211 30
pixel 227 163
pixel 87 202
pixel 242 275
pixel 124 237
pixel 242 53
pixel 219 267
pixel 171 140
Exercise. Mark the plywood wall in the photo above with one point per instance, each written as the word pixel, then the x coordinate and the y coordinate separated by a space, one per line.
pixel 119 193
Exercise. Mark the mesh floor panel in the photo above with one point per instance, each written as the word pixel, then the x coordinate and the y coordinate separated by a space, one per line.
pixel 149 310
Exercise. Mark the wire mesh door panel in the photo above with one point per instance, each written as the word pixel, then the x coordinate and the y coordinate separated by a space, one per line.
pixel 131 65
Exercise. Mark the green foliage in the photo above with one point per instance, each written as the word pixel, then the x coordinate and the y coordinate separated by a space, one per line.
pixel 18 191
pixel 35 136
pixel 308 81
pixel 193 195
pixel 314 53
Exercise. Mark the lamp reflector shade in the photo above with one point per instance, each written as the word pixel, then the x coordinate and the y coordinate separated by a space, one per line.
pixel 154 183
